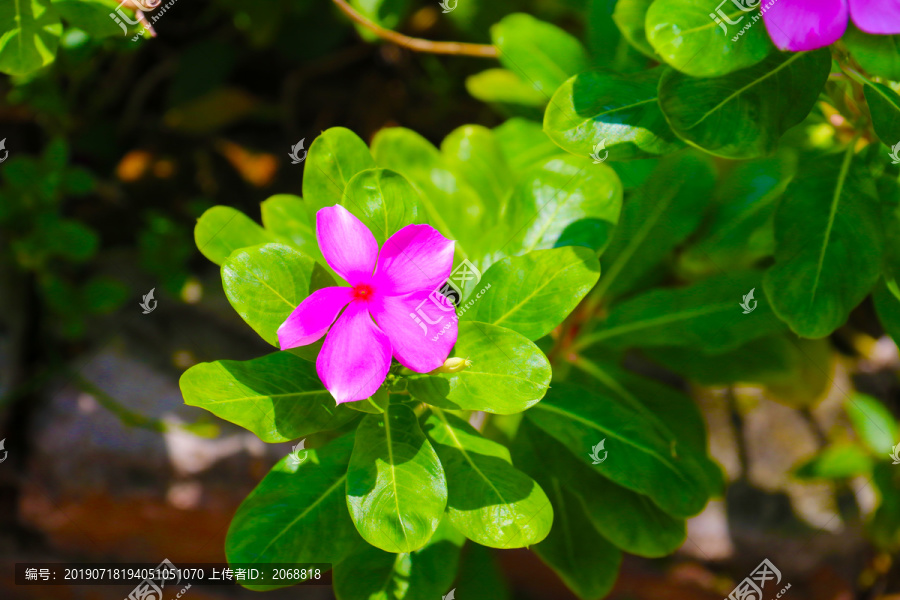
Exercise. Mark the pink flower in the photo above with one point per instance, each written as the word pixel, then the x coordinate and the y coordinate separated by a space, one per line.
pixel 799 25
pixel 356 355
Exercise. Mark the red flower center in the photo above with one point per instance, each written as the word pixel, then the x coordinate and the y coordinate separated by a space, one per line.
pixel 362 291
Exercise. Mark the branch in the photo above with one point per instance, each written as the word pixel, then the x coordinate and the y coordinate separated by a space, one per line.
pixel 418 44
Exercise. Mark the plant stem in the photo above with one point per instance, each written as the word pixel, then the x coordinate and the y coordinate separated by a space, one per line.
pixel 418 44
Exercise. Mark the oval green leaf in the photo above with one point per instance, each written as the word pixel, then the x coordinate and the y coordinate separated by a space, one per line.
pixel 601 111
pixel 555 199
pixel 396 489
pixel 277 396
pixel 738 115
pixel 508 373
pixel 541 54
pixel 631 521
pixel 297 513
pixel 383 200
pixel 828 246
pixel 333 159
pixel 221 230
pixel 489 501
pixel 265 283
pixel 706 315
pixel 686 36
pixel 533 293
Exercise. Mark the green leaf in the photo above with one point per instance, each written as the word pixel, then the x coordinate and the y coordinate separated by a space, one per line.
pixel 631 17
pixel 286 216
pixel 475 154
pixel 524 143
pixel 884 104
pixel 583 558
pixel 828 246
pixel 631 521
pixel 449 203
pixel 555 199
pixel 533 293
pixel 877 54
pixel 334 158
pixel 795 370
pixel 640 457
pixel 221 230
pixel 489 501
pixel 508 373
pixel 873 423
pixel 540 53
pixel 297 513
pixel 836 462
pixel 92 16
pixel 740 232
pixel 383 200
pixel 31 30
pixel 621 111
pixel 265 283
pixel 655 220
pixel 502 86
pixel 277 396
pixel 676 414
pixel 396 488
pixel 684 35
pixel 706 315
pixel 738 115
pixel 373 574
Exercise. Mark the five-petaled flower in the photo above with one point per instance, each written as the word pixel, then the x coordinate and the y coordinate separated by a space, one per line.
pixel 799 25
pixel 356 355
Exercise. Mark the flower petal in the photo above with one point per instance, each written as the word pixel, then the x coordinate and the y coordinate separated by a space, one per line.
pixel 799 25
pixel 415 258
pixel 355 357
pixel 347 245
pixel 313 317
pixel 876 16
pixel 422 327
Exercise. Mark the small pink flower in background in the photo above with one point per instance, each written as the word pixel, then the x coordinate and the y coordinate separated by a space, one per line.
pixel 799 25
pixel 356 355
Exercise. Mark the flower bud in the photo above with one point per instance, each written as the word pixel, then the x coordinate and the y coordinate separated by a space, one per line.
pixel 453 365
